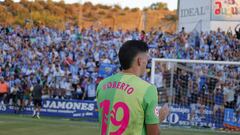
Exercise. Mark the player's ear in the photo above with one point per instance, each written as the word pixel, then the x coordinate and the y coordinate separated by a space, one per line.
pixel 139 60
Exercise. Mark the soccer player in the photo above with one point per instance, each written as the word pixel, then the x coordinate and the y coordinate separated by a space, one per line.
pixel 37 99
pixel 127 104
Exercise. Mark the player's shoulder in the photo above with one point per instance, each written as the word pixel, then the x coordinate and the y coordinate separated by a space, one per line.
pixel 144 84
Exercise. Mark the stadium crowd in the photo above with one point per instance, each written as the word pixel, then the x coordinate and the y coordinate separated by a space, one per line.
pixel 67 63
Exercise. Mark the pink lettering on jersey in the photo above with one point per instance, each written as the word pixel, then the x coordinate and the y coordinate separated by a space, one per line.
pixel 123 123
pixel 127 87
pixel 109 85
pixel 123 84
pixel 114 85
pixel 120 86
pixel 104 87
pixel 130 91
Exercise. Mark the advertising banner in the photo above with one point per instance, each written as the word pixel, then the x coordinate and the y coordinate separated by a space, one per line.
pixel 226 10
pixel 60 108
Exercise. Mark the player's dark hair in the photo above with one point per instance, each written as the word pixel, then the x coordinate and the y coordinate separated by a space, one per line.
pixel 129 50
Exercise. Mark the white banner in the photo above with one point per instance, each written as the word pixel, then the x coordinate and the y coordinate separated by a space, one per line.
pixel 191 12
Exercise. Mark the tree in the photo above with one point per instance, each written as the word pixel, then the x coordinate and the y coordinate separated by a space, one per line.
pixel 49 2
pixel 159 5
pixel 126 9
pixel 8 2
pixel 61 4
pixel 41 2
pixel 116 6
pixel 25 3
pixel 87 4
pixel 135 9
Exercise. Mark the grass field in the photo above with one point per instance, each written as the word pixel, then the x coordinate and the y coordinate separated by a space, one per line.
pixel 25 125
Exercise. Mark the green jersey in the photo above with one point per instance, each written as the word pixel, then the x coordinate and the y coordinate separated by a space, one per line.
pixel 126 103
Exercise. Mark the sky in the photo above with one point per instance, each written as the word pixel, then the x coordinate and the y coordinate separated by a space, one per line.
pixel 172 4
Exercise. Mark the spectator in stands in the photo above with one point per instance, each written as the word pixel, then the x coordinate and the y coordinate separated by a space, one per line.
pixel 183 30
pixel 69 89
pixel 90 90
pixel 238 103
pixel 218 100
pixel 237 32
pixel 158 79
pixel 183 83
pixel 14 98
pixel 4 89
pixel 37 99
pixel 79 92
pixel 13 91
pixel 194 101
pixel 143 35
pixel 229 93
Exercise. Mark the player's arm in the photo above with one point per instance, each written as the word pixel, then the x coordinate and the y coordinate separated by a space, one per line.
pixel 152 115
pixel 153 129
pixel 163 113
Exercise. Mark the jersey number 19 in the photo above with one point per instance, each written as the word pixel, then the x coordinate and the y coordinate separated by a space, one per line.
pixel 122 124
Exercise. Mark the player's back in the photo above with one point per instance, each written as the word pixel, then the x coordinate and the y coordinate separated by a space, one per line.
pixel 123 100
